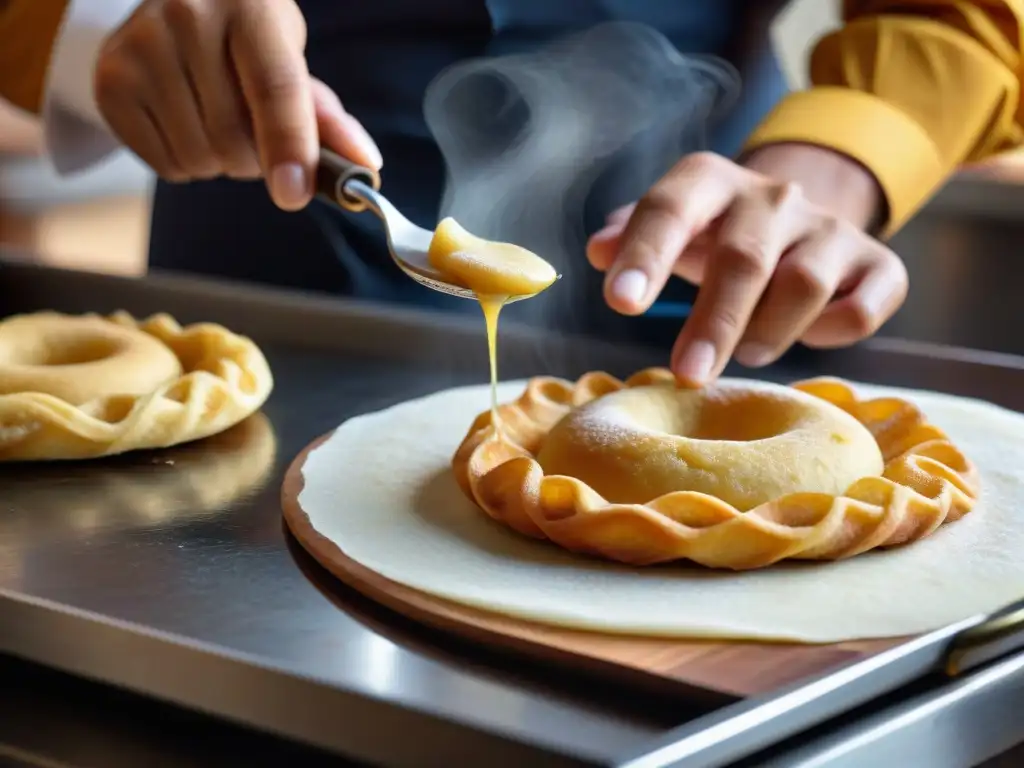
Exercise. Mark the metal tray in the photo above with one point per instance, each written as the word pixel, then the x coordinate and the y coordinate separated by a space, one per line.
pixel 188 591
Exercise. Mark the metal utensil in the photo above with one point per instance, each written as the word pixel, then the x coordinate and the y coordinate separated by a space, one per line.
pixel 356 188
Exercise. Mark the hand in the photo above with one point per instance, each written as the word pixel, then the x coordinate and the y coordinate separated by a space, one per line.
pixel 773 267
pixel 204 88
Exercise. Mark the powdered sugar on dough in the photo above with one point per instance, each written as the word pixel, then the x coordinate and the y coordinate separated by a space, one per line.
pixel 381 488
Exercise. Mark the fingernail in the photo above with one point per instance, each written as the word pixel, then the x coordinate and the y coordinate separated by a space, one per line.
pixel 696 363
pixel 630 285
pixel 289 185
pixel 753 354
pixel 366 144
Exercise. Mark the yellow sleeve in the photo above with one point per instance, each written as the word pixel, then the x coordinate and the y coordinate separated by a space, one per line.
pixel 28 31
pixel 911 89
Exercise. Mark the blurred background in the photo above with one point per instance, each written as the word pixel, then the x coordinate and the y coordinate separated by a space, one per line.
pixel 963 244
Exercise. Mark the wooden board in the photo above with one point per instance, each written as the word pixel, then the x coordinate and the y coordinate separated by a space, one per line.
pixel 726 667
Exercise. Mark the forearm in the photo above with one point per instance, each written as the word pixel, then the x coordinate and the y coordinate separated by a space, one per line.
pixel 28 31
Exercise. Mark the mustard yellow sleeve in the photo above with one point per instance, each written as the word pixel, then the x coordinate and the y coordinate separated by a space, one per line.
pixel 28 30
pixel 911 89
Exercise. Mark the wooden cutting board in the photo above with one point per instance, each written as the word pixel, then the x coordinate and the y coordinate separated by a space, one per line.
pixel 726 667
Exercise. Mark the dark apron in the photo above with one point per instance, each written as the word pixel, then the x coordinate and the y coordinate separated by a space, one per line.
pixel 380 57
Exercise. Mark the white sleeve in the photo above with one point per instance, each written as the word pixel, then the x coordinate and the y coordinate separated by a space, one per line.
pixel 76 134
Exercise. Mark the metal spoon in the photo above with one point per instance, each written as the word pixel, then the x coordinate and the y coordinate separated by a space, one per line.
pixel 355 188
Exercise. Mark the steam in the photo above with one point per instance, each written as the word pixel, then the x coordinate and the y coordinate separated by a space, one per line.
pixel 534 142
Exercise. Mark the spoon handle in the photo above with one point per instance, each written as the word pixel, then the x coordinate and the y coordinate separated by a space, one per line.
pixel 334 172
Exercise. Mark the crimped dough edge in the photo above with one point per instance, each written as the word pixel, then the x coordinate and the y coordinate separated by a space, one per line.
pixel 226 379
pixel 927 482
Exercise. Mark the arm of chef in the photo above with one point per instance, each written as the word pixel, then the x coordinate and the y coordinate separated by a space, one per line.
pixel 911 89
pixel 48 51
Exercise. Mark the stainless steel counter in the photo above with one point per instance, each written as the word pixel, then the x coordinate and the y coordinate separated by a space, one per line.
pixel 169 573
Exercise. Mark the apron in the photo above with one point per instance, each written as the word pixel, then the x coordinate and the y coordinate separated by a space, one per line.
pixel 380 57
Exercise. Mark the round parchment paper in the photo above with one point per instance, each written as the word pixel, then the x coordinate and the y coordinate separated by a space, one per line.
pixel 382 490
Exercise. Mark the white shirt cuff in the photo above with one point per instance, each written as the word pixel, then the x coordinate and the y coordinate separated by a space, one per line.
pixel 76 134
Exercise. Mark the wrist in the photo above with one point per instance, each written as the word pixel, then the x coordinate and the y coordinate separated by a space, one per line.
pixel 837 183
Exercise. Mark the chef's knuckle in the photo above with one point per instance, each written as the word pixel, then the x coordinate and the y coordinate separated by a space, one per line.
pixel 726 322
pixel 659 202
pixel 286 15
pixel 113 78
pixel 748 256
pixel 187 16
pixel 830 227
pixel 784 195
pixel 702 162
pixel 804 282
pixel 141 38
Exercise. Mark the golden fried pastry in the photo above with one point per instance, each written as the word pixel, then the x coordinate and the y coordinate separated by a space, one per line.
pixel 75 387
pixel 733 476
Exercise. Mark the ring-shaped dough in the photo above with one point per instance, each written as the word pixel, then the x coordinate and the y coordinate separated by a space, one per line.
pixel 87 386
pixel 926 482
pixel 743 444
pixel 80 358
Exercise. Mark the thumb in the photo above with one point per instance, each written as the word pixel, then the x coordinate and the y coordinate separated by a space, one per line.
pixel 340 132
